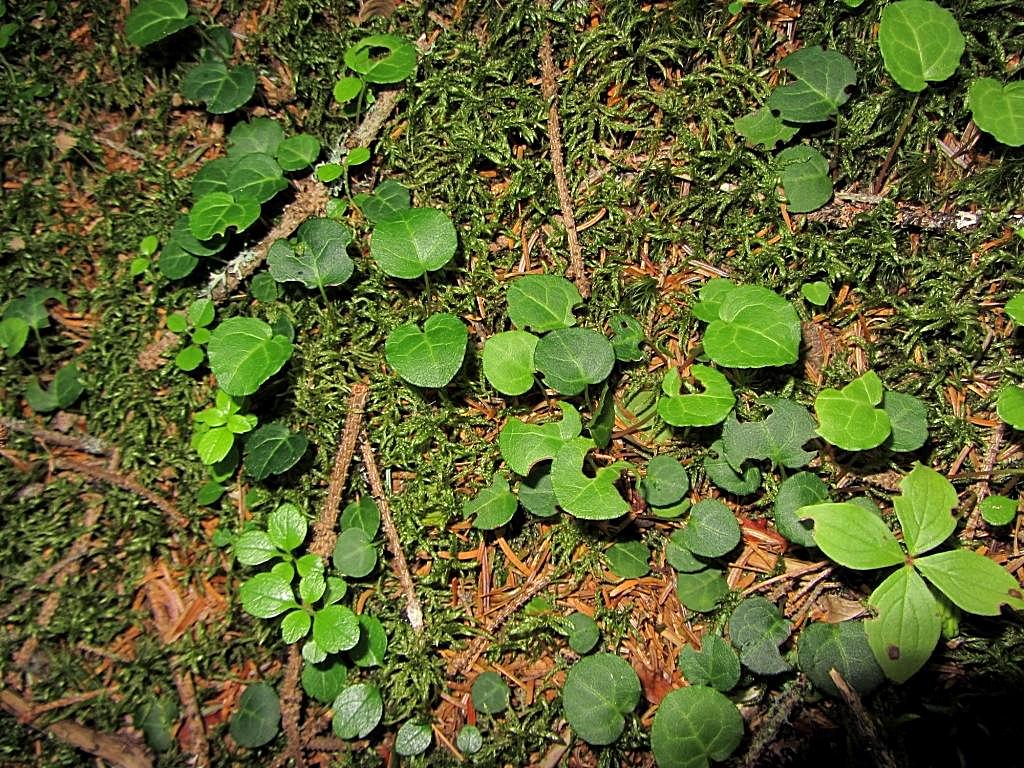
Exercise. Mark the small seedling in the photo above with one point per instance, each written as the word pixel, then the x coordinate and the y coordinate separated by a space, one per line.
pixel 715 664
pixel 194 322
pixel 217 426
pixel 66 388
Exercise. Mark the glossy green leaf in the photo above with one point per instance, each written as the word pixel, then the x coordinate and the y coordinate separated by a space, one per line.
pixel 312 584
pixel 926 509
pixel 397 64
pixel 1010 406
pixel 762 127
pixel 694 726
pixel 328 172
pixel 431 357
pixel 584 633
pixel 409 243
pixel 273 449
pixel 588 498
pixel 998 510
pixel 335 628
pixel 490 693
pixel 998 109
pixel 244 352
pixel 295 626
pixel 715 664
pixel 805 178
pixel 848 417
pixel 255 177
pixel 542 302
pixel 758 629
pixel 972 581
pixel 599 691
pixel 779 438
pixel 153 20
pixel 755 328
pixel 362 514
pixel 324 681
pixel 372 645
pixel 215 212
pixel 666 482
pixel 523 445
pixel 287 526
pixel 354 553
pixel 803 489
pixel 702 409
pixel 212 177
pixel 842 647
pixel 701 591
pixel 258 717
pixel 906 627
pixel 298 152
pixel 572 358
pixel 224 90
pixel 823 79
pixel 357 710
pixel 388 198
pixel 853 536
pixel 508 361
pixel 319 259
pixel 492 506
pixel 629 559
pixel 920 42
pixel 213 444
pixel 712 530
pixel 255 548
pixel 413 738
pixel 908 419
pixel 266 595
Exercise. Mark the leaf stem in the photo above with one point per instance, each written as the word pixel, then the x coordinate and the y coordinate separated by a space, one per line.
pixel 883 173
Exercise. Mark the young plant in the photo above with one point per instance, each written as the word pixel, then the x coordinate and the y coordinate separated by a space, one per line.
pixel 920 43
pixel 66 388
pixel 194 322
pixel 908 613
pixel 370 68
pixel 217 426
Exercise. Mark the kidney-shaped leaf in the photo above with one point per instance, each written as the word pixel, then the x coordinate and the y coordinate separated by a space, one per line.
pixel 572 358
pixel 822 80
pixel 256 177
pixel 712 530
pixel 763 127
pixel 493 506
pixel 755 328
pixel 694 726
pixel 508 361
pixel 599 691
pixel 920 42
pixel 758 629
pixel 589 498
pixel 273 449
pixel 321 258
pixel 413 241
pixel 431 357
pixel 397 63
pixel 998 109
pixel 298 152
pixel 244 352
pixel 848 417
pixel 153 20
pixel 715 664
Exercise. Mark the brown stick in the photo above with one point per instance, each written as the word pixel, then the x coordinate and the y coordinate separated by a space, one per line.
pixel 413 610
pixel 376 116
pixel 118 750
pixel 549 88
pixel 196 726
pixel 883 173
pixel 324 530
pixel 983 487
pixel 290 704
pixel 85 443
pixel 849 205
pixel 865 727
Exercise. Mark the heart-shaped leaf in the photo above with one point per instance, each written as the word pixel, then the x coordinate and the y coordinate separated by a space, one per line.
pixel 153 20
pixel 589 498
pixel 397 64
pixel 715 664
pixel 779 438
pixel 431 357
pixel 763 127
pixel 572 358
pixel 508 361
pixel 848 417
pixel 822 80
pixel 542 302
pixel 998 109
pixel 599 691
pixel 920 42
pixel 260 135
pixel 255 177
pixel 320 259
pixel 666 481
pixel 214 212
pixel 244 352
pixel 522 445
pixel 493 506
pixel 414 241
pixel 702 409
pixel 755 328
pixel 224 90
pixel 805 178
pixel 272 449
pixel 694 726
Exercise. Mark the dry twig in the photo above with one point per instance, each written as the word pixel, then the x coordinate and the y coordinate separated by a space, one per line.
pixel 290 703
pixel 865 728
pixel 85 443
pixel 183 682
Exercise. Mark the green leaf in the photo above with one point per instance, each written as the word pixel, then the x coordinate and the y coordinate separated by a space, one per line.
pixel 779 438
pixel 926 509
pixel 213 445
pixel 1015 308
pixel 666 482
pixel 388 198
pixel 542 302
pixel 719 472
pixel 431 357
pixel 362 514
pixel 908 418
pixel 212 177
pixel 224 90
pixel 63 391
pixel 803 489
pixel 335 628
pixel 853 536
pixel 244 353
pixel 328 172
pixel 715 664
pixel 628 335
pixel 629 559
pixel 156 719
pixel 312 585
pixel 266 595
pixel 312 653
pixel 357 156
pixel 181 236
pixel 295 626
pixel 588 498
pixel 998 109
pixel 414 241
pixel 694 726
pixel 712 530
pixel 701 591
pixel 523 445
pixel 907 624
pixel 763 127
pixel 413 738
pixel 261 135
pixel 755 328
pixel 572 358
pixel 584 633
pixel 998 510
pixel 255 548
pixel 536 493
pixel 1010 406
pixel 804 174
pixel 298 152
pixel 490 693
pixel 394 66
pixel 258 717
pixel 599 691
pixel 214 212
pixel 286 527
pixel 493 506
pixel 321 258
pixel 255 177
pixel 817 293
pixel 372 645
pixel 32 307
pixel 508 361
pixel 469 740
pixel 697 410
pixel 13 335
pixel 842 647
pixel 263 287
pixel 354 553
pixel 347 88
pixel 822 80
pixel 848 418
pixel 324 681
pixel 153 20
pixel 273 449
pixel 679 556
pixel 920 43
pixel 357 710
pixel 972 581
pixel 758 629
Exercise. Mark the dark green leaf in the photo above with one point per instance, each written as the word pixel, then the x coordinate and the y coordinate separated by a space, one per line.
pixel 258 717
pixel 803 489
pixel 273 449
pixel 542 302
pixel 324 681
pixel 701 591
pixel 629 559
pixel 413 241
pixel 712 530
pixel 354 553
pixel 572 358
pixel 694 726
pixel 584 633
pixel 224 90
pixel 599 691
pixel 372 645
pixel 666 482
pixel 715 664
pixel 842 647
pixel 779 438
pixel 490 693
pixel 153 20
pixel 758 629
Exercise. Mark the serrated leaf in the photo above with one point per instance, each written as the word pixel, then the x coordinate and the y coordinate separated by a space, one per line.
pixel 755 328
pixel 414 241
pixel 255 548
pixel 712 530
pixel 763 127
pixel 572 358
pixel 153 20
pixel 258 717
pixel 354 553
pixel 1010 406
pixel 694 726
pixel 599 691
pixel 255 177
pixel 244 352
pixel 261 134
pixel 213 445
pixel 702 409
pixel 224 90
pixel 925 509
pixel 822 80
pixel 908 419
pixel 394 66
pixel 335 628
pixel 508 361
pixel 853 536
pixel 805 178
pixel 701 591
pixel 972 581
pixel 320 259
pixel 266 595
pixel 542 302
pixel 295 626
pixel 920 42
pixel 907 624
pixel 431 357
pixel 629 559
pixel 357 710
pixel 779 438
pixel 490 693
pixel 215 212
pixel 842 647
pixel 492 506
pixel 848 417
pixel 523 445
pixel 298 152
pixel 715 664
pixel 758 629
pixel 588 498
pixel 803 489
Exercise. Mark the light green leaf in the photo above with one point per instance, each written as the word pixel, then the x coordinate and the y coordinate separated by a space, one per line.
pixel 629 559
pixel 522 445
pixel 779 438
pixel 817 292
pixel 694 726
pixel 255 177
pixel 712 530
pixel 255 548
pixel 244 352
pixel 848 418
pixel 224 90
pixel 599 691
pixel 758 629
pixel 920 42
pixel 804 174
pixel 998 510
pixel 354 553
pixel 1010 406
pixel 493 506
pixel 853 536
pixel 715 664
pixel 214 212
pixel 1015 308
pixel 258 717
pixel 213 444
pixel 266 595
pixel 312 585
pixel 908 418
pixel 842 647
pixel 357 710
pixel 347 88
pixel 822 81
pixel 273 449
pixel 431 357
pixel 490 693
pixel 999 109
pixel 803 489
pixel 153 20
pixel 972 581
pixel 542 302
pixel 362 514
pixel 286 526
pixel 755 328
pixel 295 626
pixel 712 295
pixel 298 152
pixel 907 624
pixel 394 66
pixel 572 358
pixel 925 509
pixel 584 633
pixel 763 127
pixel 260 135
pixel 508 361
pixel 13 335
pixel 335 628
pixel 703 409
pixel 320 259
pixel 701 591
pixel 589 498
pixel 414 241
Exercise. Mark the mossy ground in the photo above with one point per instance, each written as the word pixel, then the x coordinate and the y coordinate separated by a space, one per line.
pixel 98 154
